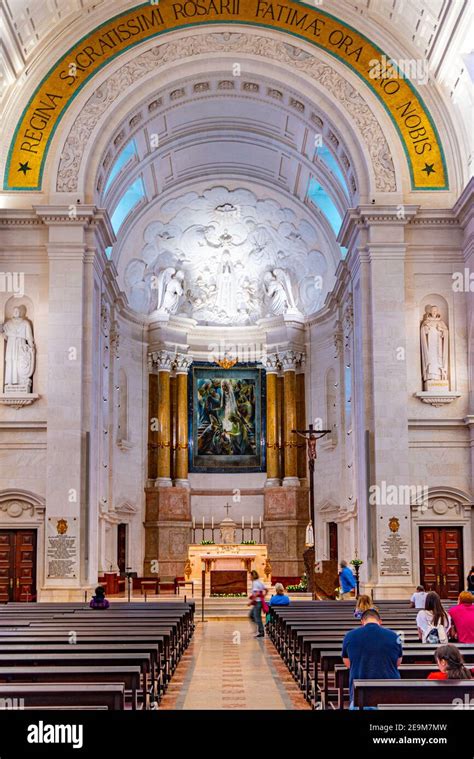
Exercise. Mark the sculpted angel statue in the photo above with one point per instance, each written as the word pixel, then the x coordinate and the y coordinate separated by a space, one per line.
pixel 434 346
pixel 170 286
pixel 279 291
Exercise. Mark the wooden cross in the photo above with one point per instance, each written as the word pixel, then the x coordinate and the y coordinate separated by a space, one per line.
pixel 227 507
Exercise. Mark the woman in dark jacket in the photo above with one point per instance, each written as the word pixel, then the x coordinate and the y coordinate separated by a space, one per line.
pixel 99 601
pixel 470 580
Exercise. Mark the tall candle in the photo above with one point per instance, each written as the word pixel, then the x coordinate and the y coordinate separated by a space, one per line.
pixel 243 522
pixel 260 522
pixel 194 523
pixel 212 521
pixel 251 521
pixel 203 523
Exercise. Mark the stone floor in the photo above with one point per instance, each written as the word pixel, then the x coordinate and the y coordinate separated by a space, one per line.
pixel 225 667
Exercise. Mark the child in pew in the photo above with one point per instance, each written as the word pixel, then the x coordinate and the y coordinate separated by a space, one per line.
pixel 451 664
pixel 363 604
pixel 418 599
pixel 433 621
pixel 99 601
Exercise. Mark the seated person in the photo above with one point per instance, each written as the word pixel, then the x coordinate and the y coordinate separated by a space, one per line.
pixel 279 599
pixel 99 601
pixel 372 652
pixel 417 601
pixel 462 617
pixel 363 603
pixel 451 664
pixel 433 621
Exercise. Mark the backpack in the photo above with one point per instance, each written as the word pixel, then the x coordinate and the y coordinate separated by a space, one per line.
pixel 437 635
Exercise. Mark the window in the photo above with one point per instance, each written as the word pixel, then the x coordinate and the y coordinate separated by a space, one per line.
pixel 321 199
pixel 128 152
pixel 129 200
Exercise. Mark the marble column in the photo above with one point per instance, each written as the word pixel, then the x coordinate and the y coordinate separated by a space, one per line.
pixel 290 361
pixel 182 365
pixel 75 262
pixel 164 362
pixel 271 364
pixel 168 511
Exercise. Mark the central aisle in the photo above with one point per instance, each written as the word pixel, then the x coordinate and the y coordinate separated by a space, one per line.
pixel 225 667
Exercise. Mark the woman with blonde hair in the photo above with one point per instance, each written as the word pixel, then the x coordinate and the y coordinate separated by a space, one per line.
pixel 280 598
pixel 363 604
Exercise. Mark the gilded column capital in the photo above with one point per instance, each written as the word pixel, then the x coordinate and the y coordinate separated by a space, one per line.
pixel 182 363
pixel 160 361
pixel 271 363
pixel 291 360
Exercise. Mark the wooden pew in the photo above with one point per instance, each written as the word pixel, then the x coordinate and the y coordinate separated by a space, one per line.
pixel 93 662
pixel 375 692
pixel 129 677
pixel 41 695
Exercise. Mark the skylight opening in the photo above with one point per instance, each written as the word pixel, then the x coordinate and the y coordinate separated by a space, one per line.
pixel 128 152
pixel 131 197
pixel 318 195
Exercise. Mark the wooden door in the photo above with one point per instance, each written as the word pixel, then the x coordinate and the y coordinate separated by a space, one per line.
pixel 17 565
pixel 441 560
pixel 122 547
pixel 333 545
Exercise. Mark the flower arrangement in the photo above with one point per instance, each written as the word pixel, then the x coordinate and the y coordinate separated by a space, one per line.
pixel 356 562
pixel 302 586
pixel 228 595
pixel 248 543
pixel 207 542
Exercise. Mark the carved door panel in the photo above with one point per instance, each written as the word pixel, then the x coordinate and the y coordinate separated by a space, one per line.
pixel 451 554
pixel 6 565
pixel 441 559
pixel 17 565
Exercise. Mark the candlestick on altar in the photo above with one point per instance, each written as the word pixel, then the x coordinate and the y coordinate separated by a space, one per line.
pixel 251 522
pixel 203 523
pixel 194 523
pixel 212 521
pixel 260 522
pixel 243 522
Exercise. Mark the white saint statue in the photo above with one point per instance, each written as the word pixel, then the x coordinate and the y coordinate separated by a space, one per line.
pixel 19 353
pixel 170 286
pixel 434 348
pixel 279 291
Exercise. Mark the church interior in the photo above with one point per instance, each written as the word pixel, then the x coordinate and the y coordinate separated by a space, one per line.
pixel 236 337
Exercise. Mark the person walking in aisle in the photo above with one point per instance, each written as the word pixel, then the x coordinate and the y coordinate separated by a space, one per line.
pixel 258 603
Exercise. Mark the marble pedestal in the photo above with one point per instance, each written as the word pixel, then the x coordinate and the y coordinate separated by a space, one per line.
pixel 285 520
pixel 167 531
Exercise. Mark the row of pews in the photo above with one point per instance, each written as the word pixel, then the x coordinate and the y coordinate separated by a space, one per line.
pixel 308 636
pixel 68 656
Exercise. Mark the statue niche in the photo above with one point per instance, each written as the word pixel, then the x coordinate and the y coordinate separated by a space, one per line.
pixel 19 352
pixel 434 336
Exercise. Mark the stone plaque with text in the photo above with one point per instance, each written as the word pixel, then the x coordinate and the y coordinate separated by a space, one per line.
pixel 62 548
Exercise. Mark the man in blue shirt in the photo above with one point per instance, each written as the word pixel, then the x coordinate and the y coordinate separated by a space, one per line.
pixel 346 580
pixel 372 652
